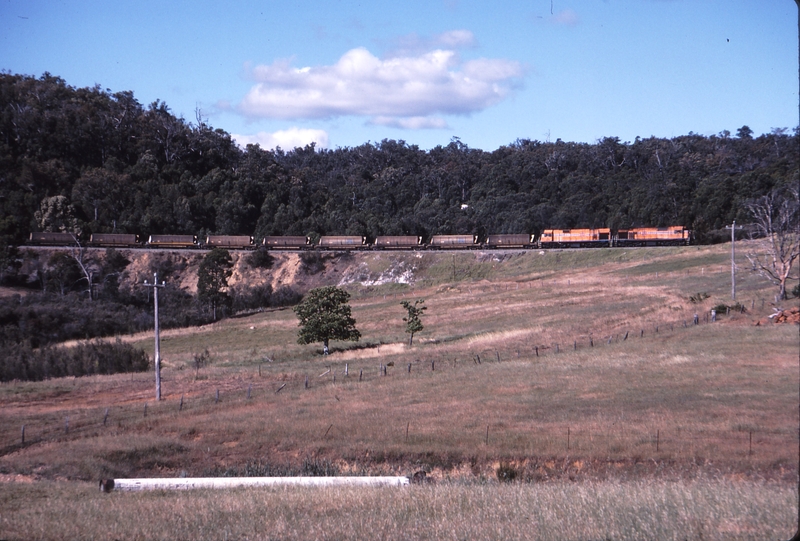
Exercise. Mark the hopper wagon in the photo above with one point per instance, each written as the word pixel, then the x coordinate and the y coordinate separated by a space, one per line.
pixel 172 241
pixel 454 242
pixel 54 239
pixel 236 242
pixel 398 242
pixel 509 241
pixel 114 240
pixel 287 242
pixel 334 242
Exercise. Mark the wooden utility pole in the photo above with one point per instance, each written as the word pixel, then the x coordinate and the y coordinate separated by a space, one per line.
pixel 155 285
pixel 733 229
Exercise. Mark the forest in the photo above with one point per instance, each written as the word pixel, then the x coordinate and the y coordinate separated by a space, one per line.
pixel 92 160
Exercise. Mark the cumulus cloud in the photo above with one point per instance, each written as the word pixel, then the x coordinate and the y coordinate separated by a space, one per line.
pixel 286 139
pixel 413 44
pixel 404 88
pixel 567 17
pixel 411 123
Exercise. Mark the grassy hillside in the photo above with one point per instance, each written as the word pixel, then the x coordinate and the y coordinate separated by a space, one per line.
pixel 556 366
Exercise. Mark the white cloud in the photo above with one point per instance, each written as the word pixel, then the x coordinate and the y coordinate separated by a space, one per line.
pixel 286 139
pixel 456 38
pixel 411 123
pixel 359 84
pixel 413 44
pixel 567 17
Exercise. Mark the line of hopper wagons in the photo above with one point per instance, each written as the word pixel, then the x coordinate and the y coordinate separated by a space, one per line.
pixel 549 238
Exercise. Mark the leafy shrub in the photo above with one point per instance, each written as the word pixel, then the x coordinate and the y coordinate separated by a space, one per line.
pixel 260 259
pixel 285 296
pixel 262 296
pixel 313 262
pixel 506 473
pixel 87 358
pixel 723 308
pixel 699 297
pixel 251 298
pixel 200 360
pixel 311 467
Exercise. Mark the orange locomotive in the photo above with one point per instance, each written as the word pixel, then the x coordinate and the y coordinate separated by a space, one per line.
pixel 575 238
pixel 674 235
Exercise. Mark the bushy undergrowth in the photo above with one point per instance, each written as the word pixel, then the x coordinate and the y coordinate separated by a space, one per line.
pixel 262 296
pixel 42 319
pixel 87 358
pixel 723 308
pixel 260 259
pixel 311 467
pixel 313 262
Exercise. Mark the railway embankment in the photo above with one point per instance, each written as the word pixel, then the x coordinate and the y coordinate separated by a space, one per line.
pixel 304 270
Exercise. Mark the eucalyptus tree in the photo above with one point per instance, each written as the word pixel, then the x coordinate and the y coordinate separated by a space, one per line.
pixel 325 315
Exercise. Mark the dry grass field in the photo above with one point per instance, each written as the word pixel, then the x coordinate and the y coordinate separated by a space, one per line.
pixel 581 374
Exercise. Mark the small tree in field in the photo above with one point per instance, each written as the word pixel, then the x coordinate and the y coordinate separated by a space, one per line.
pixel 212 279
pixel 413 321
pixel 325 315
pixel 777 217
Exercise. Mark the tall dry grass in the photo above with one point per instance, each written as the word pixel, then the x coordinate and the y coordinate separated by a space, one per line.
pixel 640 510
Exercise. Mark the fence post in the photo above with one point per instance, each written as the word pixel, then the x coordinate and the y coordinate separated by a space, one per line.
pixel 23 434
pixel 105 417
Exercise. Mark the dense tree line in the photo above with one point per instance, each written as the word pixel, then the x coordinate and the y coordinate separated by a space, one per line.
pixel 116 165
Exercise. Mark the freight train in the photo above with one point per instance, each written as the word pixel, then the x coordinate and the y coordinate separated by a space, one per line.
pixel 549 238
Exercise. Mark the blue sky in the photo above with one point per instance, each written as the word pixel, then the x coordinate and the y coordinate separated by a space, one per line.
pixel 343 72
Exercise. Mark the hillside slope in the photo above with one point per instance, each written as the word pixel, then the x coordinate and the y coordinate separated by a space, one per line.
pixel 583 364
